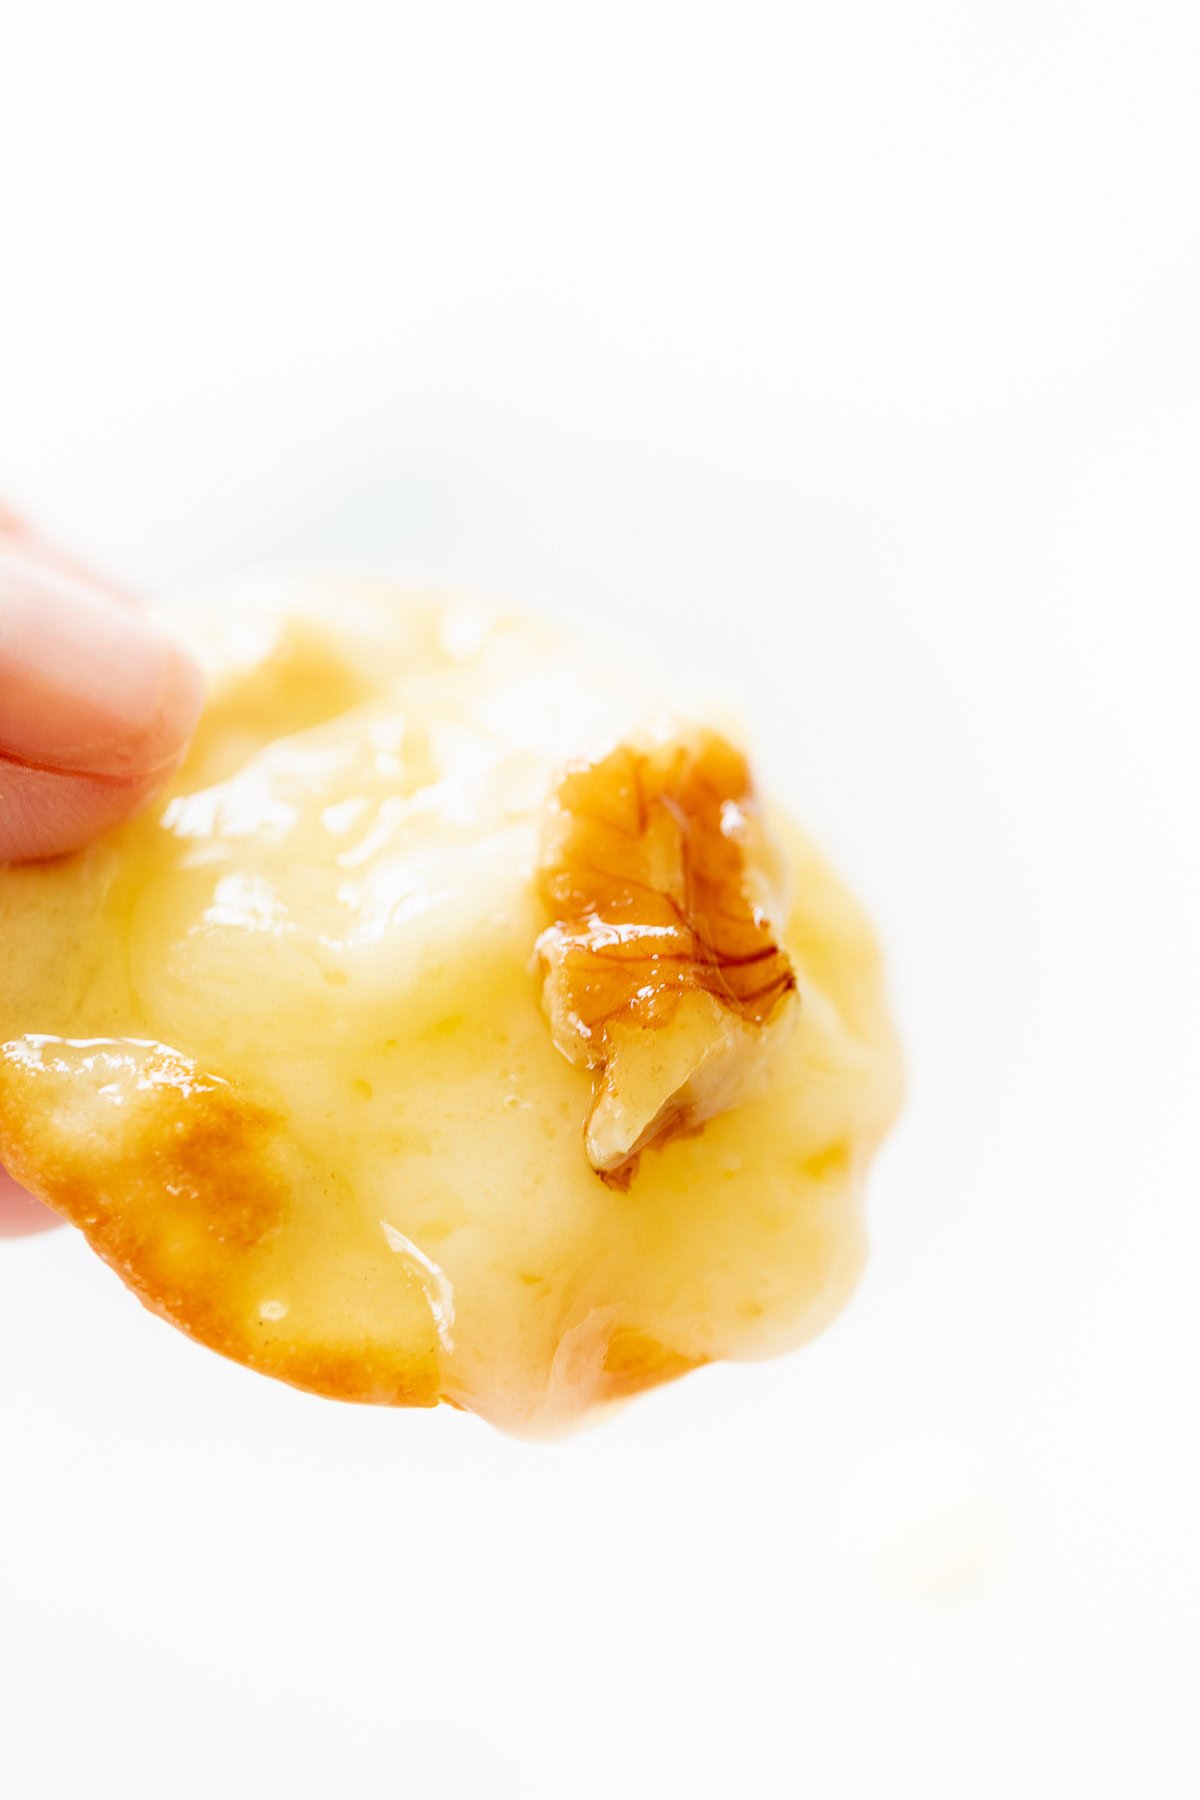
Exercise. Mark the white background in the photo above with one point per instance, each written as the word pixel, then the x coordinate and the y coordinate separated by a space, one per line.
pixel 851 349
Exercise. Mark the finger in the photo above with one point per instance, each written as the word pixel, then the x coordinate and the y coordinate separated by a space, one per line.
pixel 20 1213
pixel 96 706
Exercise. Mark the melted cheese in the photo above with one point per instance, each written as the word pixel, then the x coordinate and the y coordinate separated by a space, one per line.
pixel 278 1044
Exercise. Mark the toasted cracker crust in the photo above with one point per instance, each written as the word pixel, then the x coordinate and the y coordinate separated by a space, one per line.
pixel 178 1181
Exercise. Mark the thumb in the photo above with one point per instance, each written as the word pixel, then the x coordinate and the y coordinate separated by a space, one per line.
pixel 96 706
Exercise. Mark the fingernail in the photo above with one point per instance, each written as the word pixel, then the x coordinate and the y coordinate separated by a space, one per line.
pixel 85 684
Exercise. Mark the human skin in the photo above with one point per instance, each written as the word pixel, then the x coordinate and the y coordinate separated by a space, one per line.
pixel 96 709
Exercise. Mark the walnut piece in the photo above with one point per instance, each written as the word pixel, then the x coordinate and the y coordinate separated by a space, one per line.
pixel 662 972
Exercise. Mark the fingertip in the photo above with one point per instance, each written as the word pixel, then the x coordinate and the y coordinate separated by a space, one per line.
pixel 99 705
pixel 180 706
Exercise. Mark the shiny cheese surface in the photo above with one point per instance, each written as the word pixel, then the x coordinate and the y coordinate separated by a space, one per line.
pixel 278 1045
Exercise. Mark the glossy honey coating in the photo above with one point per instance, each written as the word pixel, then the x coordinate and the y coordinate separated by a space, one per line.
pixel 278 1045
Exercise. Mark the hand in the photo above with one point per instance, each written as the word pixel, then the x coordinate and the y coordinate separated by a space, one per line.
pixel 96 708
